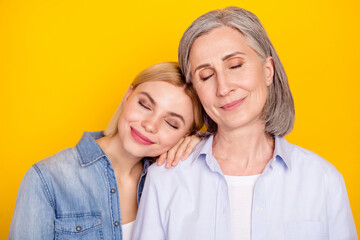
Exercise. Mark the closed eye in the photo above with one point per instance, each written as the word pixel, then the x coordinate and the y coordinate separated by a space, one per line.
pixel 172 125
pixel 207 77
pixel 143 105
pixel 236 66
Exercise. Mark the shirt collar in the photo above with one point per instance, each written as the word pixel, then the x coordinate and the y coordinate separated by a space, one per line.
pixel 88 149
pixel 147 162
pixel 206 152
pixel 282 153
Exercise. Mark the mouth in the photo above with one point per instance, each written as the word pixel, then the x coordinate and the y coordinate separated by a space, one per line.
pixel 233 105
pixel 138 137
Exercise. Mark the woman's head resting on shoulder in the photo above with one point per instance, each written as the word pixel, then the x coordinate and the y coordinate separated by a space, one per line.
pixel 228 57
pixel 158 110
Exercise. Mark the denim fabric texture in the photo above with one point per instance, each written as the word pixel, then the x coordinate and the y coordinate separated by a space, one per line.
pixel 299 195
pixel 71 195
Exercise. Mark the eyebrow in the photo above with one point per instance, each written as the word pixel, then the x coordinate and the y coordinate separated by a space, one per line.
pixel 224 58
pixel 149 97
pixel 177 115
pixel 201 66
pixel 170 113
pixel 231 55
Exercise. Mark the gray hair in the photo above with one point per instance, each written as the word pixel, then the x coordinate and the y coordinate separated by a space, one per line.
pixel 279 111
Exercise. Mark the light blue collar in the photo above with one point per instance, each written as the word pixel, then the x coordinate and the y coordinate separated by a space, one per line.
pixel 282 153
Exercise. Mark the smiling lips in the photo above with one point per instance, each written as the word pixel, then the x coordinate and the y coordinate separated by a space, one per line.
pixel 140 138
pixel 233 105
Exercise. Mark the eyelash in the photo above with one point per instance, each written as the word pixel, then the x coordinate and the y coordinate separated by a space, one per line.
pixel 206 78
pixel 144 106
pixel 236 66
pixel 233 67
pixel 171 125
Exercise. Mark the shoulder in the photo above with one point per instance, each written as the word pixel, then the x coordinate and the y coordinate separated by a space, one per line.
pixel 65 160
pixel 56 170
pixel 189 166
pixel 38 180
pixel 307 160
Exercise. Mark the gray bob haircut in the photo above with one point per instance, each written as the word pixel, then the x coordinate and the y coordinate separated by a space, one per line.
pixel 279 111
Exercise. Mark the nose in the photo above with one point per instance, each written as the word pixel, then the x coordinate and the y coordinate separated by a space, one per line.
pixel 224 85
pixel 150 124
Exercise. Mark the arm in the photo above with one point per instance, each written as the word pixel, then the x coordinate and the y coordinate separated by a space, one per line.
pixel 34 215
pixel 149 224
pixel 341 222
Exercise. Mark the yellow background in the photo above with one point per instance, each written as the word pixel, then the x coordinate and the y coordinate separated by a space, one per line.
pixel 64 66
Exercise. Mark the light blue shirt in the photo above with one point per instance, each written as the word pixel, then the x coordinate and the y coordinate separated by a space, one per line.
pixel 299 195
pixel 71 195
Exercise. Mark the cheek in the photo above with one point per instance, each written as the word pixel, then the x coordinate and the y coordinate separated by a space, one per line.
pixel 131 112
pixel 260 87
pixel 259 95
pixel 205 93
pixel 254 82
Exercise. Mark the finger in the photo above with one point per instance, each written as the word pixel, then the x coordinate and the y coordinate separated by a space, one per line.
pixel 190 147
pixel 171 153
pixel 180 151
pixel 161 159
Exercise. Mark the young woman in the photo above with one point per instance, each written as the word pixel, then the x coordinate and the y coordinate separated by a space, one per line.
pixel 246 181
pixel 92 191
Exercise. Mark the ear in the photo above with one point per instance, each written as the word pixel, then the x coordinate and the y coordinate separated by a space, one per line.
pixel 269 70
pixel 128 93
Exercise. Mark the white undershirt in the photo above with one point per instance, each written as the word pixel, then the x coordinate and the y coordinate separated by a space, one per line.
pixel 127 230
pixel 241 189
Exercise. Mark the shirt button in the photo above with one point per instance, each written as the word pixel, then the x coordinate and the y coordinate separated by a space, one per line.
pixel 78 228
pixel 116 223
pixel 258 209
pixel 113 190
pixel 108 163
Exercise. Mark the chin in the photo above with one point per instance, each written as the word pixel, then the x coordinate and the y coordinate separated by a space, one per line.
pixel 143 151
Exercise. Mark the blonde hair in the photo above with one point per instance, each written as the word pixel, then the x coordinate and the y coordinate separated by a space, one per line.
pixel 167 72
pixel 279 110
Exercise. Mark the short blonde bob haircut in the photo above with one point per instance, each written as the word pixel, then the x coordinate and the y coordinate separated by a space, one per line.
pixel 279 111
pixel 166 72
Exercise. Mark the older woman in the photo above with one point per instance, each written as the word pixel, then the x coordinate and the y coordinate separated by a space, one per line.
pixel 246 181
pixel 91 191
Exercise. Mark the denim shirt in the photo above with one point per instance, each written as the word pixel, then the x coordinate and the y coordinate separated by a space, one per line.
pixel 298 196
pixel 71 195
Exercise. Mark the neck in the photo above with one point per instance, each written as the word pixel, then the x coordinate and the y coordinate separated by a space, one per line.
pixel 125 165
pixel 243 151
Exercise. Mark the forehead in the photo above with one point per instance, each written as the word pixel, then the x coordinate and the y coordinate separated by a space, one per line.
pixel 219 42
pixel 159 87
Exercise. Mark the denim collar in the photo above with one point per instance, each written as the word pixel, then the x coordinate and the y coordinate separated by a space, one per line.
pixel 282 153
pixel 89 150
